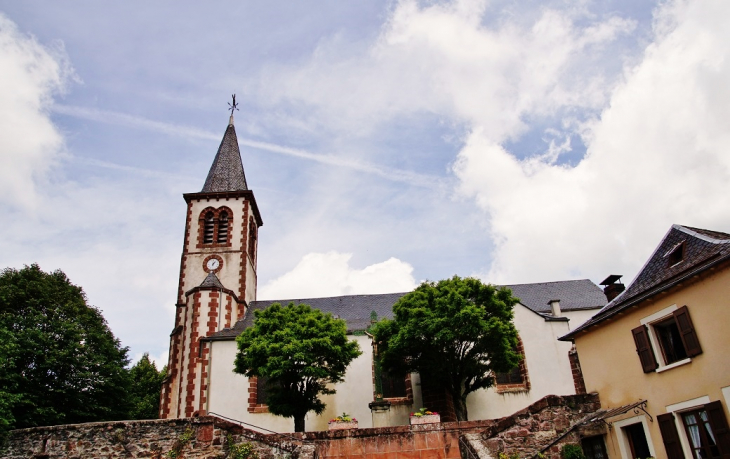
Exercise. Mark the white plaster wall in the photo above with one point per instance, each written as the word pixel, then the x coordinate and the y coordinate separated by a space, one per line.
pixel 577 318
pixel 547 362
pixel 547 365
pixel 228 392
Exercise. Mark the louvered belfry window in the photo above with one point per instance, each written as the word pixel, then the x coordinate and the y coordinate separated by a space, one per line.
pixel 223 227
pixel 208 228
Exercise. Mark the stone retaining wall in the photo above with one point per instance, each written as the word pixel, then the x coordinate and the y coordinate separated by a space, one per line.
pixel 545 424
pixel 205 437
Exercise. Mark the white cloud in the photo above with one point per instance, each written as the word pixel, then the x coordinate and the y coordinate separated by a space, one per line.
pixel 658 155
pixel 442 59
pixel 330 274
pixel 29 142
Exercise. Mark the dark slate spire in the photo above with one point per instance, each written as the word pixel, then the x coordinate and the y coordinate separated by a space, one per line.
pixel 226 173
pixel 211 280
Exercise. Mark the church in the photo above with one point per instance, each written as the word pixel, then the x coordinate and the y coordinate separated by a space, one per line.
pixel 216 298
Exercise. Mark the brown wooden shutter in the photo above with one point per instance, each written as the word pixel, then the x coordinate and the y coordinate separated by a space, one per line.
pixel 670 436
pixel 718 422
pixel 643 348
pixel 687 330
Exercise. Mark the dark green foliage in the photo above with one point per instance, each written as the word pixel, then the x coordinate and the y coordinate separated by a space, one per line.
pixel 455 332
pixel 144 395
pixel 300 350
pixel 572 451
pixel 59 362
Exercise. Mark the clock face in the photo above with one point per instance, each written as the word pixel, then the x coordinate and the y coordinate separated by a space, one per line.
pixel 213 264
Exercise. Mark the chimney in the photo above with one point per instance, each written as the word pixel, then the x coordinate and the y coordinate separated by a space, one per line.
pixel 555 307
pixel 613 286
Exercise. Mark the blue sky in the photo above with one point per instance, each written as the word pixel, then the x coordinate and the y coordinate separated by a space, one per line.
pixel 386 142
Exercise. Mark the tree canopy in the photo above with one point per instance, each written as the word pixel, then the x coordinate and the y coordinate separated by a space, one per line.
pixel 144 394
pixel 456 333
pixel 59 361
pixel 300 351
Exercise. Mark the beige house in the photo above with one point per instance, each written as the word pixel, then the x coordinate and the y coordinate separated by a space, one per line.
pixel 658 354
pixel 217 296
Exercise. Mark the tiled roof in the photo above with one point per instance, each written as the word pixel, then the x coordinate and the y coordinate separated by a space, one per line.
pixel 226 173
pixel 356 309
pixel 701 249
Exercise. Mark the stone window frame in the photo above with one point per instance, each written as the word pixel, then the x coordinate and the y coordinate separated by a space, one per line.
pixel 216 218
pixel 525 385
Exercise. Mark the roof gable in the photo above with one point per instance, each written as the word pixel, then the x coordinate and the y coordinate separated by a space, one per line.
pixel 699 249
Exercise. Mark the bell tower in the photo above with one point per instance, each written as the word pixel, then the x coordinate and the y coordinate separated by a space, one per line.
pixel 217 275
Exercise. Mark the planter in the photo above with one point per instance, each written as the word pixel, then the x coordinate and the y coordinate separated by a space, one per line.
pixel 425 419
pixel 342 425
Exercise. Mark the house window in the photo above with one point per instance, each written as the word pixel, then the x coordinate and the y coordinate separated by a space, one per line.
pixel 670 341
pixel 593 447
pixel 633 438
pixel 704 428
pixel 666 339
pixel 699 432
pixel 636 437
pixel 675 254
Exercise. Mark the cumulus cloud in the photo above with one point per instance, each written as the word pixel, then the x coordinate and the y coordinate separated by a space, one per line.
pixel 441 58
pixel 654 120
pixel 29 142
pixel 330 274
pixel 656 156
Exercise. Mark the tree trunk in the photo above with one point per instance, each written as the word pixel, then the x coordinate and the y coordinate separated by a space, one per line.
pixel 460 407
pixel 299 423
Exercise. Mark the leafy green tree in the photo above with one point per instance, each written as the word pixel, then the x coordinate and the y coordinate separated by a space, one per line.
pixel 300 351
pixel 59 362
pixel 455 332
pixel 144 395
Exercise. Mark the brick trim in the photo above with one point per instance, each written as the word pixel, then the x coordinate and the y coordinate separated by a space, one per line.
pixel 244 255
pixel 578 381
pixel 525 385
pixel 210 257
pixel 216 215
pixel 253 392
pixel 407 400
pixel 192 359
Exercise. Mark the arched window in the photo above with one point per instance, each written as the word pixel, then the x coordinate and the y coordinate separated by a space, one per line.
pixel 208 228
pixel 223 227
pixel 252 239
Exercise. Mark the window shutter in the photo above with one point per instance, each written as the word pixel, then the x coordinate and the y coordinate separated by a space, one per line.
pixel 670 436
pixel 718 422
pixel 687 330
pixel 643 348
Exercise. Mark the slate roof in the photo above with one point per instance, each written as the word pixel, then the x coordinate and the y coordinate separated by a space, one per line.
pixel 702 250
pixel 356 309
pixel 226 173
pixel 211 280
pixel 574 295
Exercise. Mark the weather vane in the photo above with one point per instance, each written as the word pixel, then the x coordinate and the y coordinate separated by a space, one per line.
pixel 233 106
